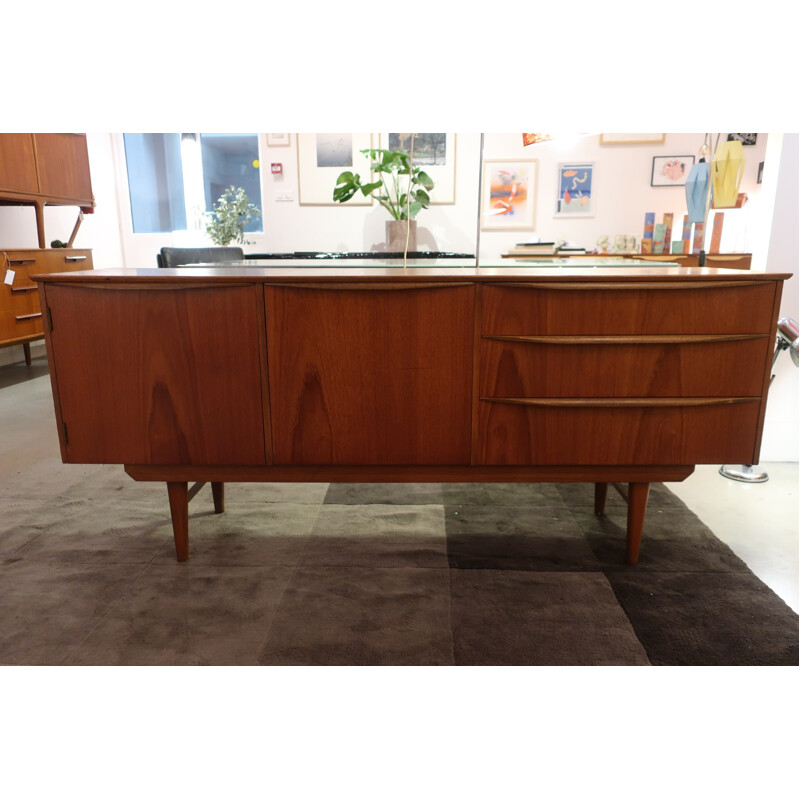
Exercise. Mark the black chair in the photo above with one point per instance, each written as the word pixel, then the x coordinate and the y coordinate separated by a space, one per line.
pixel 181 256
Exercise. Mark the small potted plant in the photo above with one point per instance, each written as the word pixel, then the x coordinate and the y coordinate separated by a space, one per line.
pixel 232 211
pixel 402 198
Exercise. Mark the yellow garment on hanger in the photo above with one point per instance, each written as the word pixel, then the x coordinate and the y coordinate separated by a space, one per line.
pixel 727 169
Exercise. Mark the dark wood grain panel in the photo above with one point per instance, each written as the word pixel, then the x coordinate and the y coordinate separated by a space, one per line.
pixel 529 311
pixel 542 369
pixel 370 377
pixel 519 434
pixel 158 377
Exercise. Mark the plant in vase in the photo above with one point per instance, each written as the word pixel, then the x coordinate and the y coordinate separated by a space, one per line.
pixel 402 198
pixel 232 211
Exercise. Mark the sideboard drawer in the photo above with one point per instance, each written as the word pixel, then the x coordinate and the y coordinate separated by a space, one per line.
pixel 20 312
pixel 20 315
pixel 627 308
pixel 65 260
pixel 516 434
pixel 595 367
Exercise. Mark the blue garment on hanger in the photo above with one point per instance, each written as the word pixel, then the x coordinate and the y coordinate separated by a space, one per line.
pixel 697 190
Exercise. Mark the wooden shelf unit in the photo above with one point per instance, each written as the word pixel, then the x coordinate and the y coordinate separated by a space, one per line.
pixel 37 170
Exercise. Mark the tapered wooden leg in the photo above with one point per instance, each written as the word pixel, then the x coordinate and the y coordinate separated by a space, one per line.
pixel 26 349
pixel 637 505
pixel 218 491
pixel 179 507
pixel 600 493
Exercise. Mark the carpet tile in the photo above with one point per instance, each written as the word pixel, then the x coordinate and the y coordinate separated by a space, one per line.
pixel 369 574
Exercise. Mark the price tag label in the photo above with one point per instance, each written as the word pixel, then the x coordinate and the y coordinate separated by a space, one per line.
pixel 9 279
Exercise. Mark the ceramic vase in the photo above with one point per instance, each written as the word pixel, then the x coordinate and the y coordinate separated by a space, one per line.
pixel 396 231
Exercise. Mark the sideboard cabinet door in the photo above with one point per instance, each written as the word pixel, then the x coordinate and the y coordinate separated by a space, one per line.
pixel 166 376
pixel 17 164
pixel 63 163
pixel 370 374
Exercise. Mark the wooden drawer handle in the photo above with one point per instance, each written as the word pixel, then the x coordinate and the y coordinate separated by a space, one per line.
pixel 25 317
pixel 680 338
pixel 18 262
pixel 628 286
pixel 620 402
pixel 376 287
pixel 23 289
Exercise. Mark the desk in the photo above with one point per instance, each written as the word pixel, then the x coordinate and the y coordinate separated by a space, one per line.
pixel 424 374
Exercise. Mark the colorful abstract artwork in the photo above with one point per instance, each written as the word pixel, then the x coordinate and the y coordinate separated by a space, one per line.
pixel 508 195
pixel 575 190
pixel 671 170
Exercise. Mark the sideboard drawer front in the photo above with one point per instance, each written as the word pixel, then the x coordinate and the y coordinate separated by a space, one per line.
pixel 538 435
pixel 732 368
pixel 59 259
pixel 20 315
pixel 569 309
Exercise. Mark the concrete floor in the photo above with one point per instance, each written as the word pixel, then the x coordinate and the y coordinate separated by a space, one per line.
pixel 759 522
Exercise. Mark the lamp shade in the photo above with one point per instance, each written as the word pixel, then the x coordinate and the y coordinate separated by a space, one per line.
pixel 727 168
pixel 696 191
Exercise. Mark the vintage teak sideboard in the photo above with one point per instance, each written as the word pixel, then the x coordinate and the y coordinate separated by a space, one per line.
pixel 511 374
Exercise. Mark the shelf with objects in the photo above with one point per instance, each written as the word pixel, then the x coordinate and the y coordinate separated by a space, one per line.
pixel 38 170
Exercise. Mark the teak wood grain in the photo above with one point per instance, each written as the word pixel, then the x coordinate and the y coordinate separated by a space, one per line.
pixel 17 164
pixel 158 377
pixel 731 309
pixel 366 376
pixel 603 369
pixel 410 375
pixel 21 317
pixel 515 433
pixel 62 162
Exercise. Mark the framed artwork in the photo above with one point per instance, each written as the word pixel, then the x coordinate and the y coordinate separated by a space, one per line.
pixel 435 153
pixel 279 139
pixel 322 157
pixel 508 195
pixel 575 190
pixel 671 170
pixel 632 138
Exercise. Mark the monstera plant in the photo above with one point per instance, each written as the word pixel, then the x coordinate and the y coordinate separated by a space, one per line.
pixel 402 197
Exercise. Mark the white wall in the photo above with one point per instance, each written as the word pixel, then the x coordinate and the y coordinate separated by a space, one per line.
pixel 622 191
pixel 781 432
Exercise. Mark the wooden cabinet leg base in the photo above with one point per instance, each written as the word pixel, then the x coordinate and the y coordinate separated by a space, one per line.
pixel 600 493
pixel 179 508
pixel 637 506
pixel 26 349
pixel 218 491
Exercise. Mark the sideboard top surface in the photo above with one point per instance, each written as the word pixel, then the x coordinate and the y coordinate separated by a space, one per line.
pixel 339 274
